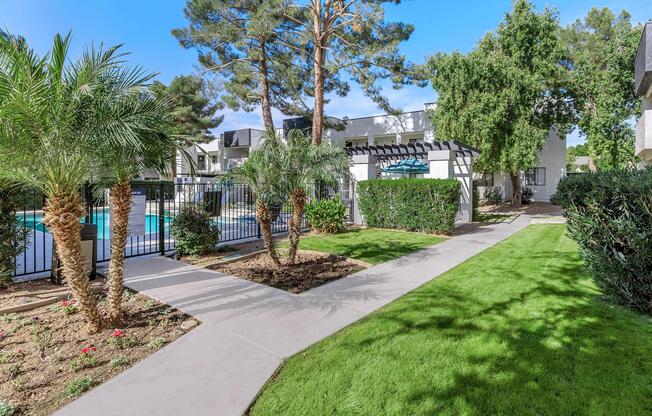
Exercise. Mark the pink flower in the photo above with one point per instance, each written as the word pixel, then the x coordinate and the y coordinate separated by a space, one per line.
pixel 117 333
pixel 2 335
pixel 67 303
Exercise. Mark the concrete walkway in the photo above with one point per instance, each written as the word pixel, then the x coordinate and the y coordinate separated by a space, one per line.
pixel 248 329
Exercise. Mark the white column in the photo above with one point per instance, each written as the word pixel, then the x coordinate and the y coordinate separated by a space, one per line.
pixel 463 171
pixel 370 140
pixel 441 164
pixel 363 168
pixel 398 138
pixel 444 165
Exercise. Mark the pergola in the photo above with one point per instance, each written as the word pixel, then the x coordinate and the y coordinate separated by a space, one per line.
pixel 418 150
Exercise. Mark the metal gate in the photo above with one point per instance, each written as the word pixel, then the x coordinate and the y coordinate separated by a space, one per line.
pixel 232 206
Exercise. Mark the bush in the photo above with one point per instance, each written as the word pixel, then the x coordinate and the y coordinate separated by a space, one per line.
pixel 526 195
pixel 610 216
pixel 78 386
pixel 193 231
pixel 493 196
pixel 428 205
pixel 14 236
pixel 6 408
pixel 326 215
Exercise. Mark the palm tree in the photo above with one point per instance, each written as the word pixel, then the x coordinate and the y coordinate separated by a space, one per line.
pixel 263 173
pixel 149 147
pixel 304 165
pixel 52 117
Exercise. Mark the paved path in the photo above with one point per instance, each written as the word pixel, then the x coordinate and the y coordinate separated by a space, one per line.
pixel 248 329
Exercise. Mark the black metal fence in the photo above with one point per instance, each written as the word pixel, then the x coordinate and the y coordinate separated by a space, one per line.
pixel 231 205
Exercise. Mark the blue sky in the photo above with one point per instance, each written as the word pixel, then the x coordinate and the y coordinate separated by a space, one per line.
pixel 144 27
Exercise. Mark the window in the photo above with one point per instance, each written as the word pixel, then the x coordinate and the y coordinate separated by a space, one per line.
pixel 486 180
pixel 535 177
pixel 201 162
pixel 214 159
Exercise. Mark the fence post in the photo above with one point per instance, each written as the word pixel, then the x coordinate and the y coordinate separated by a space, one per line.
pixel 161 218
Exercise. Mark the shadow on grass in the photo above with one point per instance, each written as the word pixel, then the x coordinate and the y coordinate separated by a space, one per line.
pixel 520 330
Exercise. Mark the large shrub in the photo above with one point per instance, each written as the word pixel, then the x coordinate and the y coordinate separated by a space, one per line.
pixel 194 232
pixel 428 205
pixel 14 235
pixel 610 216
pixel 326 215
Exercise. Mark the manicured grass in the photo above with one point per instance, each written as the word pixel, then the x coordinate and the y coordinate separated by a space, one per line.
pixel 518 330
pixel 369 244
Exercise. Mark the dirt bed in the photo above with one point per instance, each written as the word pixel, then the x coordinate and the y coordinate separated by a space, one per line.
pixel 311 270
pixel 47 358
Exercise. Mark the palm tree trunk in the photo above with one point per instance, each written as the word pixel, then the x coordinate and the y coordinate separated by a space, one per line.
pixel 62 215
pixel 265 220
pixel 294 229
pixel 120 201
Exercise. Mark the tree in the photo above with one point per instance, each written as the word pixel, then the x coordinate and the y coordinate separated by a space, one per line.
pixel 303 166
pixel 142 146
pixel 505 95
pixel 191 112
pixel 251 49
pixel 573 152
pixel 263 173
pixel 602 50
pixel 53 115
pixel 351 38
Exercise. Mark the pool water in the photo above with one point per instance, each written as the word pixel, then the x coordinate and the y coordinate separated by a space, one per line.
pixel 101 219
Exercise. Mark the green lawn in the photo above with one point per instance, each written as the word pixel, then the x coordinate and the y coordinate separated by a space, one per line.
pixel 368 244
pixel 518 330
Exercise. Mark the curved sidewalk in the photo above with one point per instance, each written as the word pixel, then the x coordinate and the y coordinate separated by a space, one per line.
pixel 248 329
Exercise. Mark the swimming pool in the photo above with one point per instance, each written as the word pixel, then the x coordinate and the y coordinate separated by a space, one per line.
pixel 101 219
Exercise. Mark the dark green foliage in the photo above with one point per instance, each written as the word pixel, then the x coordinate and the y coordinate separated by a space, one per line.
pixel 14 236
pixel 610 216
pixel 326 215
pixel 194 232
pixel 476 202
pixel 428 205
pixel 526 195
pixel 494 195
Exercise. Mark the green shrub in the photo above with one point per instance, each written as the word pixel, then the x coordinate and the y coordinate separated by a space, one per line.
pixel 428 205
pixel 14 235
pixel 194 232
pixel 494 195
pixel 526 195
pixel 610 216
pixel 6 408
pixel 326 215
pixel 78 386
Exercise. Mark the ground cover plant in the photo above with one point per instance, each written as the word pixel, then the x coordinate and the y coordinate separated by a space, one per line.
pixel 46 361
pixel 517 329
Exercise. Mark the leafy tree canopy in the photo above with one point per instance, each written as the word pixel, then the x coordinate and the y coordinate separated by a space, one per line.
pixel 602 48
pixel 506 94
pixel 191 110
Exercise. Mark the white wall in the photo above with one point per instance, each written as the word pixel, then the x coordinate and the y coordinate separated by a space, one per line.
pixel 552 157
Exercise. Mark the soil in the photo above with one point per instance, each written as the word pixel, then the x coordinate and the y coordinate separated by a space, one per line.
pixel 311 270
pixel 222 253
pixel 42 366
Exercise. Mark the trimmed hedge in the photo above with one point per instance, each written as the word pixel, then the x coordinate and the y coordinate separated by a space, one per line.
pixel 326 215
pixel 428 205
pixel 610 216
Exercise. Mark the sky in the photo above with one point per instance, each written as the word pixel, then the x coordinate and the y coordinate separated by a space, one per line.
pixel 144 26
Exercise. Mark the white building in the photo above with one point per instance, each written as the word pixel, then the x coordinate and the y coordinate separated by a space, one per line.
pixel 405 128
pixel 643 88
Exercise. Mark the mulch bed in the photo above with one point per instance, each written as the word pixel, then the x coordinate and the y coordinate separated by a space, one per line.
pixel 311 270
pixel 42 366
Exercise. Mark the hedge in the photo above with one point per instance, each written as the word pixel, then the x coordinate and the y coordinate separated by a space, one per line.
pixel 610 216
pixel 428 205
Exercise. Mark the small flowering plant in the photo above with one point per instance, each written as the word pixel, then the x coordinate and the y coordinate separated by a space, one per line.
pixel 86 359
pixel 120 339
pixel 69 307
